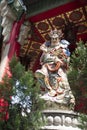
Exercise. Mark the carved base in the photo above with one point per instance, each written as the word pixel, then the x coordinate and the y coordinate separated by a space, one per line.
pixel 60 120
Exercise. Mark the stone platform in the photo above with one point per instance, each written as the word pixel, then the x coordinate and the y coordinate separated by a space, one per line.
pixel 60 120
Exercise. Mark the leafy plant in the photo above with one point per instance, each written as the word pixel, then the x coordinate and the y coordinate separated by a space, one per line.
pixel 82 121
pixel 21 91
pixel 77 76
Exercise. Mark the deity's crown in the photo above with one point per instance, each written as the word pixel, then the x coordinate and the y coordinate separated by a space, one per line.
pixel 55 33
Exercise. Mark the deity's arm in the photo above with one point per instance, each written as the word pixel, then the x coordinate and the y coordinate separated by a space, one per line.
pixel 66 58
pixel 43 48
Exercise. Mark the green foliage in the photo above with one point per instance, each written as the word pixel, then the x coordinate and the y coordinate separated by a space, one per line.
pixel 77 74
pixel 25 105
pixel 82 122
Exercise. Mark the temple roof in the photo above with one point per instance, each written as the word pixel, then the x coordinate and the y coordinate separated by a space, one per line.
pixel 68 15
pixel 35 7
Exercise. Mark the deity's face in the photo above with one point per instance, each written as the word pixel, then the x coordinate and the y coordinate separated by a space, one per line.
pixel 55 40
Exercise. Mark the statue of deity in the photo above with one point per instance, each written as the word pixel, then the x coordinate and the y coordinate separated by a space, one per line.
pixel 53 73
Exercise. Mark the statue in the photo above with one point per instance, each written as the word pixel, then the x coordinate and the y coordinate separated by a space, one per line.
pixel 53 73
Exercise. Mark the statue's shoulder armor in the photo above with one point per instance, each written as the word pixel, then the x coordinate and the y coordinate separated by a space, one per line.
pixel 65 42
pixel 47 44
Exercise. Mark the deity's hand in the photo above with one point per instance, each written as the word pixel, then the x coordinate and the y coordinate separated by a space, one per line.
pixel 57 52
pixel 53 50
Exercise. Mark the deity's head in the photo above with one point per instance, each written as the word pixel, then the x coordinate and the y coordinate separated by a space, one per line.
pixel 55 36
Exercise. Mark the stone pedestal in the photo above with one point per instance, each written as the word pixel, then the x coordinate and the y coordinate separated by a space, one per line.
pixel 60 120
pixel 60 115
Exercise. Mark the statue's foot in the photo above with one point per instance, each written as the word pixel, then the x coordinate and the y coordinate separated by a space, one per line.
pixel 52 93
pixel 60 91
